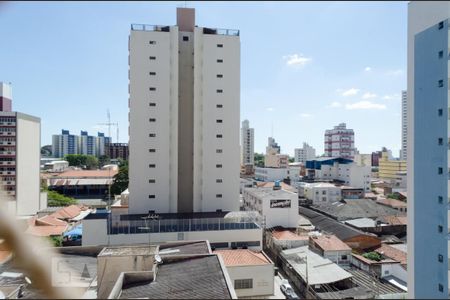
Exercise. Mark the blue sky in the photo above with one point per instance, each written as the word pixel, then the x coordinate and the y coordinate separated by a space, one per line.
pixel 305 66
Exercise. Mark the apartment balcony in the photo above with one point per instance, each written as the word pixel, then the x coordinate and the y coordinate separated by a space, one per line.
pixel 7 153
pixel 7 123
pixel 7 193
pixel 7 143
pixel 8 163
pixel 7 172
pixel 8 183
pixel 2 133
pixel 146 27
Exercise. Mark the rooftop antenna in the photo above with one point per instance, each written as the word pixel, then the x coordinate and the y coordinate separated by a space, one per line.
pixel 272 129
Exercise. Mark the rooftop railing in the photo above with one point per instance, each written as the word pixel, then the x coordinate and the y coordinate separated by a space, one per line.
pixel 219 31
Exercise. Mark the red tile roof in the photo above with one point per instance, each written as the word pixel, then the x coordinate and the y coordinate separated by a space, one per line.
pixel 46 226
pixel 288 235
pixel 68 212
pixel 395 220
pixel 392 202
pixel 330 243
pixel 392 253
pixel 87 173
pixel 242 257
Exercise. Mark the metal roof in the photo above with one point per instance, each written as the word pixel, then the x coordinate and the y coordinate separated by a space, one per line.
pixel 361 222
pixel 320 270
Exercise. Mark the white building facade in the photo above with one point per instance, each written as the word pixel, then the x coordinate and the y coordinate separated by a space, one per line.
pixel 305 153
pixel 20 154
pixel 184 117
pixel 340 142
pixel 247 144
pixel 320 192
pixel 277 207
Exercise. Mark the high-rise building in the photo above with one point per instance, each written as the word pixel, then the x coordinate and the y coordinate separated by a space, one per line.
pixel 20 154
pixel 403 154
pixel 184 117
pixel 305 153
pixel 427 147
pixel 272 145
pixel 247 144
pixel 88 144
pixel 64 143
pixel 117 150
pixel 101 144
pixel 340 142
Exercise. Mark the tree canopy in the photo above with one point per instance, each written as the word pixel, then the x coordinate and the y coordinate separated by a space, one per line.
pixel 120 179
pixel 56 199
pixel 83 161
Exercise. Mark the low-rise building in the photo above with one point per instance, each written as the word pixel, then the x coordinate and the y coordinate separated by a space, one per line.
pixel 278 207
pixel 391 169
pixel 251 272
pixel 56 166
pixel 329 246
pixel 319 192
pixel 339 169
pixel 363 160
pixel 271 174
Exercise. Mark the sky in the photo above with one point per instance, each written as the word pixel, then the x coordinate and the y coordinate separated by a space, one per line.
pixel 305 66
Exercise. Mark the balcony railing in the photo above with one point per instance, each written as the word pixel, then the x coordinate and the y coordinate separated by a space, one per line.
pixel 7 172
pixel 8 163
pixel 8 153
pixel 7 123
pixel 7 143
pixel 146 27
pixel 8 133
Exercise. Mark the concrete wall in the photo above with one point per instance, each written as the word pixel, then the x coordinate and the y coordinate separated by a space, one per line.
pixel 270 174
pixel 262 276
pixel 165 65
pixel 28 155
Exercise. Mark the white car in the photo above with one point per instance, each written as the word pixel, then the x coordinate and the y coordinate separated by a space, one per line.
pixel 287 290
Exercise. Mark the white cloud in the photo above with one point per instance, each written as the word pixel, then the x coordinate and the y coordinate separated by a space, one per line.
pixel 296 60
pixel 306 115
pixel 394 72
pixel 269 109
pixel 367 69
pixel 334 104
pixel 369 95
pixel 364 105
pixel 350 92
pixel 392 97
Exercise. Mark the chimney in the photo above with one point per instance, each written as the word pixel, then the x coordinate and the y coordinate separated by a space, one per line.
pixel 186 19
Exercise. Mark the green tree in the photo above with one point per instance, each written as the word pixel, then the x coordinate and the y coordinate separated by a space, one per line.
pixel 81 160
pixel 372 256
pixel 120 183
pixel 104 160
pixel 259 160
pixel 393 196
pixel 56 199
pixel 56 241
pixel 291 159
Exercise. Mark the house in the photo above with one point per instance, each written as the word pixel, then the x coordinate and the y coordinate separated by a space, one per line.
pixel 393 203
pixel 354 238
pixel 46 226
pixel 329 246
pixel 251 272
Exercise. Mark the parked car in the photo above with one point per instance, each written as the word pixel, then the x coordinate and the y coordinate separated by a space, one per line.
pixel 287 290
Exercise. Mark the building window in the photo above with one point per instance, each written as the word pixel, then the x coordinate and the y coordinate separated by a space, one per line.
pixel 219 76
pixel 441 25
pixel 185 38
pixel 440 112
pixel 152 104
pixel 219 91
pixel 152 135
pixel 440 228
pixel 219 136
pixel 218 180
pixel 152 150
pixel 152 42
pixel 152 120
pixel 440 258
pixel 152 89
pixel 152 73
pixel 220 60
pixel 441 83
pixel 219 150
pixel 151 181
pixel 219 105
pixel 440 141
pixel 440 199
pixel 441 288
pixel 218 166
pixel 152 166
pixel 219 45
pixel 152 57
pixel 151 196
pixel 440 170
pixel 240 284
pixel 344 257
pixel 441 54
pixel 218 195
pixel 219 121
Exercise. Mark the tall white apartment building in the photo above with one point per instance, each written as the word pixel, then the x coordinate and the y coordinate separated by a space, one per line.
pixel 403 153
pixel 340 142
pixel 184 117
pixel 20 154
pixel 305 153
pixel 247 144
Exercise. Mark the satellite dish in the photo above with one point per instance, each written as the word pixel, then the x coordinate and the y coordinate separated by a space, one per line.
pixel 158 259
